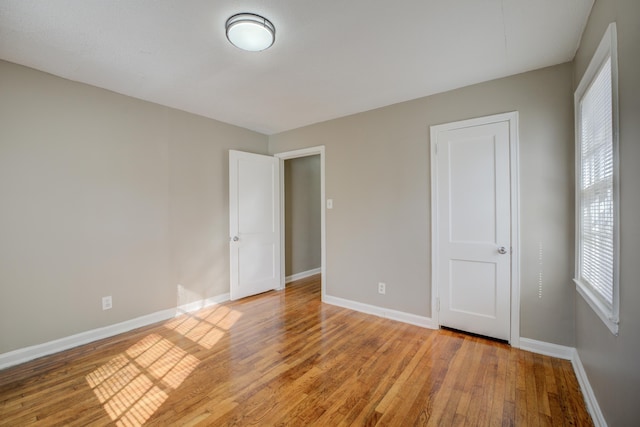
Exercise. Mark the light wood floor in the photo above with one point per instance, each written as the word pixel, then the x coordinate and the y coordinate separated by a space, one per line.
pixel 283 358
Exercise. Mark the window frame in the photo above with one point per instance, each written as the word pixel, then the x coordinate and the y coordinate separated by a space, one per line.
pixel 606 49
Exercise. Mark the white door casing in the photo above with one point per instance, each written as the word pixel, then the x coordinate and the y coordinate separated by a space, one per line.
pixel 254 223
pixel 474 208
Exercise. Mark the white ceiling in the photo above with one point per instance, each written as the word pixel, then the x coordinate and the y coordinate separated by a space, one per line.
pixel 331 58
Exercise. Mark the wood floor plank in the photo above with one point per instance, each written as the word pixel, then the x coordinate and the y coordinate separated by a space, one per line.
pixel 446 401
pixel 415 364
pixel 284 358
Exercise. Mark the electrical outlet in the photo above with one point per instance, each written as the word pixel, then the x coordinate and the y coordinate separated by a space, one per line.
pixel 107 303
pixel 382 288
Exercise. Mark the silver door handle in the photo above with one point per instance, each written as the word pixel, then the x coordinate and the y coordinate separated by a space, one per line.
pixel 235 238
pixel 502 250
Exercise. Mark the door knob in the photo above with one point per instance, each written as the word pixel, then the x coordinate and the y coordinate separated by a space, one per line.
pixel 235 238
pixel 502 250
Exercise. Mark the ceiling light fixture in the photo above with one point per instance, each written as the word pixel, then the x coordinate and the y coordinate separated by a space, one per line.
pixel 250 32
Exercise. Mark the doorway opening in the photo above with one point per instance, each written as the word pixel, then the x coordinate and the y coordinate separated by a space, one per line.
pixel 303 232
pixel 302 209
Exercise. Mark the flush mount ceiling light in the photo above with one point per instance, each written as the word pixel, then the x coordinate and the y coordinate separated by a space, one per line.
pixel 250 32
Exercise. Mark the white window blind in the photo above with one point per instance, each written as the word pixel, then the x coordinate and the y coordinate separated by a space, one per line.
pixel 596 107
pixel 596 186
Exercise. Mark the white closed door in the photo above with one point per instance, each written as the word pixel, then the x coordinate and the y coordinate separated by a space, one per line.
pixel 473 225
pixel 254 223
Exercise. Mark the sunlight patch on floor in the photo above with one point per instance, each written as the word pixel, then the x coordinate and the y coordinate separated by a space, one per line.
pixel 207 326
pixel 133 385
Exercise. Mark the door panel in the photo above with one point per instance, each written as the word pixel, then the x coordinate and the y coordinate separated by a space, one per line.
pixel 471 166
pixel 473 222
pixel 255 187
pixel 254 223
pixel 479 300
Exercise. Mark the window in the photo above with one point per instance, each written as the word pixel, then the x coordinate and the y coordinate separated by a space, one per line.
pixel 596 275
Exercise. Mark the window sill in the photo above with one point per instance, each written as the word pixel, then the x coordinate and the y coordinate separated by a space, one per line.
pixel 600 309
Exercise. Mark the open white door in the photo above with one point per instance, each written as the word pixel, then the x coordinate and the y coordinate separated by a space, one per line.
pixel 472 206
pixel 254 223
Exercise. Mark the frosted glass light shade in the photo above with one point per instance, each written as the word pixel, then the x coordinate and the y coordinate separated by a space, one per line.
pixel 250 32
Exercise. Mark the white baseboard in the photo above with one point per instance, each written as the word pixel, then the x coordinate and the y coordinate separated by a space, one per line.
pixel 546 348
pixel 203 303
pixel 302 275
pixel 26 354
pixel 413 319
pixel 587 391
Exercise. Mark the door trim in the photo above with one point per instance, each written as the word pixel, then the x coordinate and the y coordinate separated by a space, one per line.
pixel 512 119
pixel 287 155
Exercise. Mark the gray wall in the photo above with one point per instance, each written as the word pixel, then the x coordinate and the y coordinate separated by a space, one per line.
pixel 302 214
pixel 378 174
pixel 613 363
pixel 103 194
